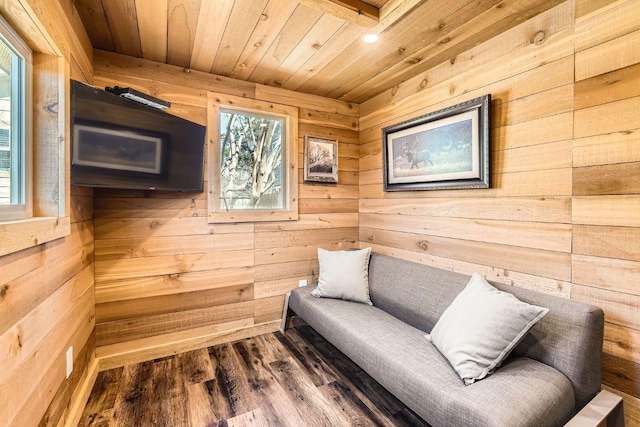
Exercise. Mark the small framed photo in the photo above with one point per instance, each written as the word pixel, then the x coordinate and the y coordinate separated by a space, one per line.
pixel 446 149
pixel 117 149
pixel 320 159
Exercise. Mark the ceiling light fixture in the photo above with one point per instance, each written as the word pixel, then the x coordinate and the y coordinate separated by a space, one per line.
pixel 371 38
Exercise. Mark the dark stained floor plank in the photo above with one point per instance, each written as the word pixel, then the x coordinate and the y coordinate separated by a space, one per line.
pixel 358 412
pixel 99 407
pixel 308 356
pixel 268 348
pixel 232 380
pixel 253 419
pixel 295 379
pixel 100 419
pixel 407 417
pixel 202 405
pixel 270 394
pixel 302 391
pixel 196 366
pixel 169 402
pixel 134 400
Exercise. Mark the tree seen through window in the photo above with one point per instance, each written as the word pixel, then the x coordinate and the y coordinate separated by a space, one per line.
pixel 251 159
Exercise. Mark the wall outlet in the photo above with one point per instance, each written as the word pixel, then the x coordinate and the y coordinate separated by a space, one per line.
pixel 302 283
pixel 69 361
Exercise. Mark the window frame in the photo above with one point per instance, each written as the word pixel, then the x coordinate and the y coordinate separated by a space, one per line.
pixel 22 208
pixel 49 172
pixel 216 103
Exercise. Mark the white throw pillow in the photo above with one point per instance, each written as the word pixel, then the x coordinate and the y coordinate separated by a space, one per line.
pixel 481 327
pixel 344 275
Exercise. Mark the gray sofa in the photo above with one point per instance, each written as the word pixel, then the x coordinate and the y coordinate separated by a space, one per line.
pixel 551 374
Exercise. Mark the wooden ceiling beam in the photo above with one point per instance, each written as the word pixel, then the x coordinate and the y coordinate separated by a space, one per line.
pixel 360 7
pixel 393 10
pixel 354 11
pixel 363 14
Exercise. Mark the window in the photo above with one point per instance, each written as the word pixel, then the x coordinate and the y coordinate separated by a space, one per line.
pixel 33 94
pixel 253 160
pixel 15 102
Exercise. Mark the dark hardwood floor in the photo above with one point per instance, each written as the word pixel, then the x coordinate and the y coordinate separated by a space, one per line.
pixel 297 379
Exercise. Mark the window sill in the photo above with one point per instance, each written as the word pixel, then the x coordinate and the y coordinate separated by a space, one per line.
pixel 26 233
pixel 252 216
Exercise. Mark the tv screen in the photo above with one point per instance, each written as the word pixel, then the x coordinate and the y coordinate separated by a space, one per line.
pixel 119 143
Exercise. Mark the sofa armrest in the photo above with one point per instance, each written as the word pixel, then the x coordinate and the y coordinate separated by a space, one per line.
pixel 606 409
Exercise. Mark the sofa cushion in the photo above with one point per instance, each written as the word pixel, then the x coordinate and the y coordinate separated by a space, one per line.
pixel 523 392
pixel 481 327
pixel 344 275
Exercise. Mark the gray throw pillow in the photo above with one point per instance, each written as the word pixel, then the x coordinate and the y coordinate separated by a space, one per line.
pixel 481 327
pixel 344 275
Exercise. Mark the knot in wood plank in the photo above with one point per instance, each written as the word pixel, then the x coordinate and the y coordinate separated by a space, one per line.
pixel 52 108
pixel 538 38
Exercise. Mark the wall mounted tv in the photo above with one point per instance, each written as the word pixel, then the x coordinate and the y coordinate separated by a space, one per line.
pixel 119 143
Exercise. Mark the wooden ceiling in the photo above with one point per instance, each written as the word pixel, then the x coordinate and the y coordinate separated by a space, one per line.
pixel 312 46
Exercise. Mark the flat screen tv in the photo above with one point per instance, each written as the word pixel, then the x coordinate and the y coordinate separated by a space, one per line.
pixel 119 143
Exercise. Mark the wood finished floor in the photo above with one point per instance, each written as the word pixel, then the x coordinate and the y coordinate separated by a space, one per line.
pixel 297 379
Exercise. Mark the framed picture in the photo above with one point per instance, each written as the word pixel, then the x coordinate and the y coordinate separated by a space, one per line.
pixel 446 149
pixel 102 147
pixel 320 159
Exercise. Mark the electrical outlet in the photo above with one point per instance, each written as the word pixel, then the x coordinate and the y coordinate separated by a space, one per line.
pixel 302 283
pixel 69 361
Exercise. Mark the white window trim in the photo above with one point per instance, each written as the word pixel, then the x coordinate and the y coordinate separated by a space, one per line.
pixel 217 214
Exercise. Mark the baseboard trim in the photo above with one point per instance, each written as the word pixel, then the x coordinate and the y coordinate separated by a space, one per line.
pixel 117 355
pixel 81 394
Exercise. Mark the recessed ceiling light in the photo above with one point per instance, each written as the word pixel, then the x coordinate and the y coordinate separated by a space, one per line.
pixel 371 38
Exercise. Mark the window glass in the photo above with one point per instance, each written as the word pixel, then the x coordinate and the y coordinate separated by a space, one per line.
pixel 251 161
pixel 14 60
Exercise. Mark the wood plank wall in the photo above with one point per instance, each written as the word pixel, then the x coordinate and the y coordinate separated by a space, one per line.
pixel 47 300
pixel 606 184
pixel 166 280
pixel 47 304
pixel 562 215
pixel 520 229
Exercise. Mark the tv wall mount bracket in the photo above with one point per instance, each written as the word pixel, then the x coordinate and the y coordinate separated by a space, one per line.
pixel 137 96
